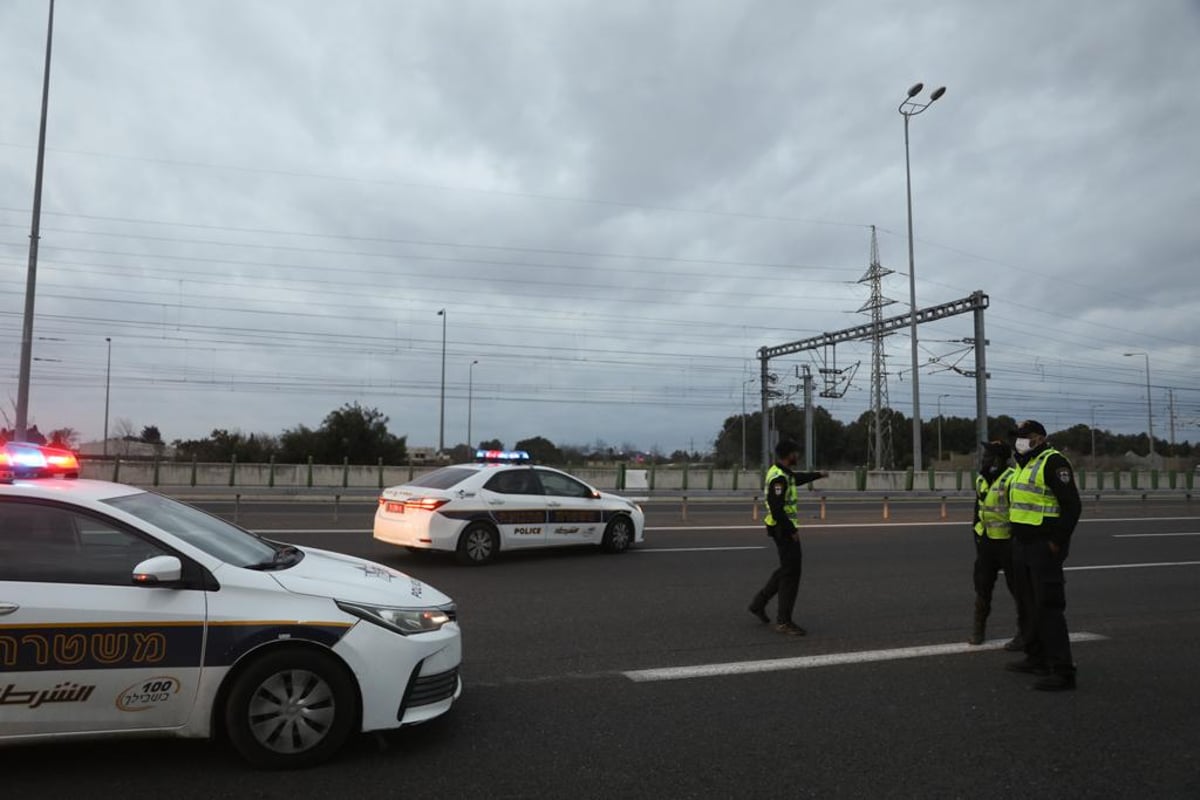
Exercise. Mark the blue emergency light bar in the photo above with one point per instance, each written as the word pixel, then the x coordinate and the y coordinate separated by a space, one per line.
pixel 24 460
pixel 501 456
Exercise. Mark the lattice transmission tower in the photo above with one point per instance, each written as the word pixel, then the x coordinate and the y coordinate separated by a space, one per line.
pixel 879 435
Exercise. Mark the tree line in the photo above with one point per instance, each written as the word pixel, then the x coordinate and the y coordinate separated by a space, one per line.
pixel 360 434
pixel 839 445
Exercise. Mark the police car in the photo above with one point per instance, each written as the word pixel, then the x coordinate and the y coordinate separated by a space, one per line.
pixel 503 502
pixel 125 612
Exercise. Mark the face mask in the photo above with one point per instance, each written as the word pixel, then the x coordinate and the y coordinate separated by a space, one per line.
pixel 1023 446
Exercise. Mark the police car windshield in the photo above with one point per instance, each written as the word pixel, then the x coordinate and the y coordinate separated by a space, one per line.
pixel 211 534
pixel 442 478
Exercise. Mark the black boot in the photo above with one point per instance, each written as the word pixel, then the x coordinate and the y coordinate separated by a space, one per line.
pixel 982 609
pixel 758 607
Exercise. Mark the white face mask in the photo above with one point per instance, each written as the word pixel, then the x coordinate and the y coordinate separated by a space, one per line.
pixel 1023 446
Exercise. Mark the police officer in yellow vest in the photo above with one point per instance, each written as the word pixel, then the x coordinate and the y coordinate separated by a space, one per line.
pixel 783 522
pixel 993 546
pixel 1044 508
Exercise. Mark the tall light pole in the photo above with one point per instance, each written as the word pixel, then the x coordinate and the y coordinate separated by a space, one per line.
pixel 34 235
pixel 1149 407
pixel 107 383
pixel 470 390
pixel 1094 407
pixel 745 383
pixel 442 413
pixel 940 426
pixel 909 108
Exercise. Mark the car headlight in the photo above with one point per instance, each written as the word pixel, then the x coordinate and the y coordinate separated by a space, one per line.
pixel 404 621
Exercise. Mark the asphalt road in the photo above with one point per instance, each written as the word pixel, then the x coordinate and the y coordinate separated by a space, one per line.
pixel 561 699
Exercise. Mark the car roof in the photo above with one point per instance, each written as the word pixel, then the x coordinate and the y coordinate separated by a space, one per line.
pixel 74 489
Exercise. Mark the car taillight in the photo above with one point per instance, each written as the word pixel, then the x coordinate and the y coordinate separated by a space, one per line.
pixel 425 503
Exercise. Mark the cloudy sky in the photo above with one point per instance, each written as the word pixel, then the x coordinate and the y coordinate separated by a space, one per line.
pixel 264 204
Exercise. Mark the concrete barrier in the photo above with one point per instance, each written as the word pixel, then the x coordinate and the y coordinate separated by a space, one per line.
pixel 654 479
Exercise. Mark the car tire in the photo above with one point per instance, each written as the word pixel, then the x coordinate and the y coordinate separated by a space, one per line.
pixel 478 544
pixel 618 536
pixel 291 708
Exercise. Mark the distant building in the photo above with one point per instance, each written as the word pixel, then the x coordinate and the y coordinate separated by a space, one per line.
pixel 426 455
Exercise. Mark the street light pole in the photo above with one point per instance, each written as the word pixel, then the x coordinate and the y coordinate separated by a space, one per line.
pixel 442 413
pixel 910 108
pixel 745 383
pixel 107 383
pixel 940 396
pixel 1094 407
pixel 1149 406
pixel 26 363
pixel 470 391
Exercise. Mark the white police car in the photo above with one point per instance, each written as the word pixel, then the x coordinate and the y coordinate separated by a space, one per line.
pixel 500 503
pixel 125 612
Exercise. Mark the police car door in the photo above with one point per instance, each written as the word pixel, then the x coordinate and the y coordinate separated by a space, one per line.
pixel 81 648
pixel 574 509
pixel 517 506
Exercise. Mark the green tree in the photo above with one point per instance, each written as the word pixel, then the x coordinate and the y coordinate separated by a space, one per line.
pixel 223 445
pixel 359 434
pixel 541 450
pixel 64 437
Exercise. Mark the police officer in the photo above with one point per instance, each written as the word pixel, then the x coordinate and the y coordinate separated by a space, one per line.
pixel 783 522
pixel 993 548
pixel 1044 508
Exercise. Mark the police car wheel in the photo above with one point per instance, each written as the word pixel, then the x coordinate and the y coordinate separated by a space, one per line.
pixel 478 544
pixel 290 708
pixel 618 536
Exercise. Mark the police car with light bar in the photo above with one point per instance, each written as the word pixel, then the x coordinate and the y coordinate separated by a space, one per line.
pixel 503 502
pixel 124 612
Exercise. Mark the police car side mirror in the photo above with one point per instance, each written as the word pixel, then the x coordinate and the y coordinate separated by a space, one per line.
pixel 158 571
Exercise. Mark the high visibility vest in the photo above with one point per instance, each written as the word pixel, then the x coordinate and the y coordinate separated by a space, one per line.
pixel 993 505
pixel 791 500
pixel 1030 501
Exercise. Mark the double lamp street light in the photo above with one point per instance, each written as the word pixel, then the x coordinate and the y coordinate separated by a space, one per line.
pixel 909 108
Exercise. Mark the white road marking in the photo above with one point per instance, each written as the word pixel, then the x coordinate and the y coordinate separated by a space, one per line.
pixel 1151 535
pixel 1134 566
pixel 265 531
pixel 812 524
pixel 804 525
pixel 825 660
pixel 690 549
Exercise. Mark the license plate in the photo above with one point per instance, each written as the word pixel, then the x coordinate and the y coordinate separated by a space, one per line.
pixel 394 507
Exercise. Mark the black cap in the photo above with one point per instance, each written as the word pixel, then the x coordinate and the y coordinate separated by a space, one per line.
pixel 785 448
pixel 1029 427
pixel 996 449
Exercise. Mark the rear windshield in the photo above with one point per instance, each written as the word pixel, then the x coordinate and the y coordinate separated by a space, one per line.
pixel 442 478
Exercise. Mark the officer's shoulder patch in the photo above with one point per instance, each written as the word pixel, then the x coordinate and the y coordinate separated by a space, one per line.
pixel 1064 475
pixel 778 488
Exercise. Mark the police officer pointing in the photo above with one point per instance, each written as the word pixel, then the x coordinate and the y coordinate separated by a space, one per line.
pixel 1044 508
pixel 783 521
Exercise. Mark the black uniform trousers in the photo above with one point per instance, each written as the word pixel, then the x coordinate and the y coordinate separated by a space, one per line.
pixel 784 581
pixel 992 556
pixel 1041 587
